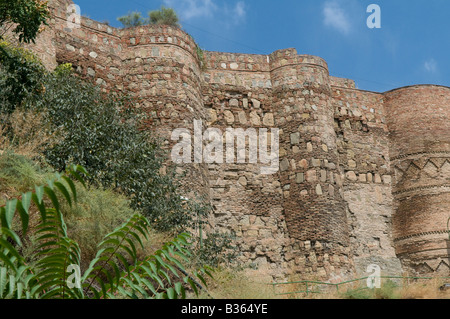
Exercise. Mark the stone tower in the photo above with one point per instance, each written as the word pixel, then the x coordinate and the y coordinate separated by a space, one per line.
pixel 363 178
pixel 313 196
pixel 419 120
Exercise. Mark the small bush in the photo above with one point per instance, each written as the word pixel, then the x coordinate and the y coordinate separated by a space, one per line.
pixel 24 132
pixel 18 173
pixel 216 250
pixel 164 16
pixel 133 19
pixel 21 75
pixel 232 283
pixel 96 213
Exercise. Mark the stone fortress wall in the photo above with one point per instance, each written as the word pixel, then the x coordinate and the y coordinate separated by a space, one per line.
pixel 364 177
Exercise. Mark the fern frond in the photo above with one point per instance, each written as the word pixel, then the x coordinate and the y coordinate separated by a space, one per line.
pixel 16 285
pixel 116 252
pixel 162 275
pixel 56 252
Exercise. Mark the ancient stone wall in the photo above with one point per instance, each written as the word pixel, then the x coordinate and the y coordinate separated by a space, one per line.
pixel 364 156
pixel 362 177
pixel 418 119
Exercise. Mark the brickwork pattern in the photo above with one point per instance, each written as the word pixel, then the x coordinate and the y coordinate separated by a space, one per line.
pixel 363 176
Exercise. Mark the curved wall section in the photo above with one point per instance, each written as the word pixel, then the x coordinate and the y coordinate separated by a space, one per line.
pixel 162 69
pixel 309 172
pixel 418 120
pixel 359 171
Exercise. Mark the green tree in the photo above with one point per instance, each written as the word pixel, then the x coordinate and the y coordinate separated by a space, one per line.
pixel 103 133
pixel 133 19
pixel 21 74
pixel 164 16
pixel 24 16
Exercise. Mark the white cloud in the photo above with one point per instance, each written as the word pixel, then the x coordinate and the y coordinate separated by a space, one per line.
pixel 431 66
pixel 189 9
pixel 239 10
pixel 336 17
pixel 192 9
pixel 238 13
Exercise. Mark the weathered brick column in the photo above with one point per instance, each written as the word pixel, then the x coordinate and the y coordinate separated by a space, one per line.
pixel 418 119
pixel 309 171
pixel 162 69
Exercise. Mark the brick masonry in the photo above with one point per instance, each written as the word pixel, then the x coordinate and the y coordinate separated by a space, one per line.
pixel 364 177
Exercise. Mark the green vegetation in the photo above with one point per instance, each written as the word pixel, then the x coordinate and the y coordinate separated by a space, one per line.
pixel 24 17
pixel 133 19
pixel 389 290
pixel 20 71
pixel 21 76
pixel 115 272
pixel 18 173
pixel 101 132
pixel 163 16
pixel 125 225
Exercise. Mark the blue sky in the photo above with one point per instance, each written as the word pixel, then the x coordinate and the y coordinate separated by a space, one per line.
pixel 411 47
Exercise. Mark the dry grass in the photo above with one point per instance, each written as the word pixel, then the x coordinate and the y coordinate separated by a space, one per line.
pixel 248 284
pixel 426 289
pixel 18 175
pixel 238 284
pixel 228 284
pixel 29 134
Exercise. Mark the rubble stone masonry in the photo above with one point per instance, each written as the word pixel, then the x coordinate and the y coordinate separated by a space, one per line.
pixel 364 177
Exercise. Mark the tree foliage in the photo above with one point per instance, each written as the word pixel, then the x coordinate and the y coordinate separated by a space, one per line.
pixel 21 74
pixel 133 19
pixel 163 16
pixel 102 133
pixel 24 16
pixel 115 272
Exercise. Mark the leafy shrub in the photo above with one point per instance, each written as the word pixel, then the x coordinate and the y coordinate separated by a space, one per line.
pixel 102 133
pixel 164 16
pixel 26 16
pixel 18 173
pixel 215 250
pixel 115 272
pixel 21 74
pixel 133 19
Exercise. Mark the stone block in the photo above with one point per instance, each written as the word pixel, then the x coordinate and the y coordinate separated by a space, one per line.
pixel 284 165
pixel 268 120
pixel 295 138
pixel 234 102
pixel 300 178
